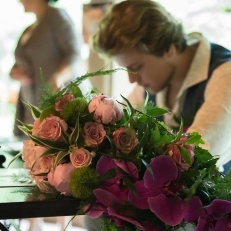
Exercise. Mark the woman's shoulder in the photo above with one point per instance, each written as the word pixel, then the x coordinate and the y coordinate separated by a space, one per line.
pixel 57 14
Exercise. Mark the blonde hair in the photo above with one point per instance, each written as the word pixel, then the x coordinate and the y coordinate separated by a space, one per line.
pixel 142 24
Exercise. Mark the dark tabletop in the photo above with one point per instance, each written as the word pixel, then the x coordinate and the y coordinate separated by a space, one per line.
pixel 28 202
pixel 20 198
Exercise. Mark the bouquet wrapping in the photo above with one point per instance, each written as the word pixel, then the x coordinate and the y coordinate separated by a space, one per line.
pixel 124 165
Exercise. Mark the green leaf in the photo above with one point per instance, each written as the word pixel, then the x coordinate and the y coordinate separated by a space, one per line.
pixel 15 157
pixel 41 174
pixel 155 135
pixel 148 167
pixel 144 108
pixel 112 145
pixel 65 136
pixel 193 139
pixel 130 185
pixel 49 143
pixel 165 139
pixel 155 112
pixel 129 106
pixel 59 157
pixel 48 111
pixel 46 153
pixel 185 155
pixel 35 111
pixel 179 134
pixel 111 173
pixel 76 91
pixel 144 138
pixel 75 133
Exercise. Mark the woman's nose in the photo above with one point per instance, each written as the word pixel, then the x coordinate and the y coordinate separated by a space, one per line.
pixel 133 77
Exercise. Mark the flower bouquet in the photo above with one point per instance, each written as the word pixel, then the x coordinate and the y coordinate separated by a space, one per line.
pixel 124 165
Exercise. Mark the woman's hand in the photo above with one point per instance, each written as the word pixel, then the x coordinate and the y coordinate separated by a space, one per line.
pixel 17 73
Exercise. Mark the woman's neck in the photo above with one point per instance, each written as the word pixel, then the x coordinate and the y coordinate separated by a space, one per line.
pixel 41 10
pixel 184 62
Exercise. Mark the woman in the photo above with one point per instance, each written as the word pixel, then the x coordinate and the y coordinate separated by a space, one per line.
pixel 51 44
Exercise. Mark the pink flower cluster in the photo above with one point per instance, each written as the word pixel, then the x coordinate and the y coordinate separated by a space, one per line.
pixel 106 111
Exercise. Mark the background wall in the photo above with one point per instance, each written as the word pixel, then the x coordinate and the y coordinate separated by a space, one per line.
pixel 211 17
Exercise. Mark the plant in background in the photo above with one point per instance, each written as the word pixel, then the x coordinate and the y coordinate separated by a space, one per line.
pixel 122 164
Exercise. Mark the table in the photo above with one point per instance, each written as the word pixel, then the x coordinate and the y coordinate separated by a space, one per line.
pixel 22 199
pixel 27 202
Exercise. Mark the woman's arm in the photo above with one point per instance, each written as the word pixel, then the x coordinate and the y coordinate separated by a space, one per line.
pixel 18 73
pixel 213 119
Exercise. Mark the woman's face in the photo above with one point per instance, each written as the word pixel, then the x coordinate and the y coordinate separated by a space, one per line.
pixel 152 72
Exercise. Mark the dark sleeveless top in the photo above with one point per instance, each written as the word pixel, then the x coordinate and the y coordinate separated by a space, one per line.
pixel 195 95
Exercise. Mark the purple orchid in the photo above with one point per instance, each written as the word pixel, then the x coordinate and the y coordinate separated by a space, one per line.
pixel 116 185
pixel 210 217
pixel 157 192
pixel 113 208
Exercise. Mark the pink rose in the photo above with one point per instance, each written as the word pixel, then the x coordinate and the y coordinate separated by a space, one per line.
pixel 63 101
pixel 51 128
pixel 93 134
pixel 174 152
pixel 80 157
pixel 31 153
pixel 106 110
pixel 125 139
pixel 60 178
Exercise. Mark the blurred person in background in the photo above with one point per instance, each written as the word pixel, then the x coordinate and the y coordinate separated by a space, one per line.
pixel 50 43
pixel 93 12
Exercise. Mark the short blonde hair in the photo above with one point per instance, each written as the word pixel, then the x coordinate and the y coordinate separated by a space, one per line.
pixel 142 24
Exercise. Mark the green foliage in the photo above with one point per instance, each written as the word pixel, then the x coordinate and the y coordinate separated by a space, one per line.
pixel 48 98
pixel 74 108
pixel 222 188
pixel 47 112
pixel 83 181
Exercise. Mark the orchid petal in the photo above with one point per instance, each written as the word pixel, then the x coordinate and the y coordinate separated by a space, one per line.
pixel 218 208
pixel 167 208
pixel 194 210
pixel 106 198
pixel 118 192
pixel 201 226
pixel 112 212
pixel 141 200
pixel 104 164
pixel 96 211
pixel 160 176
pixel 223 224
pixel 128 167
